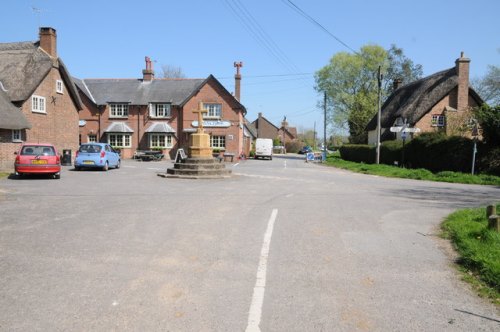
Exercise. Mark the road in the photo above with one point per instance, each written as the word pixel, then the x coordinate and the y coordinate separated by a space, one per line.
pixel 282 245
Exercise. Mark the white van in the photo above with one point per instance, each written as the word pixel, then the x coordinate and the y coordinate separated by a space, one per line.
pixel 264 148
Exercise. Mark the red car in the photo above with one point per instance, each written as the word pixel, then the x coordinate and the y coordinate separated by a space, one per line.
pixel 35 158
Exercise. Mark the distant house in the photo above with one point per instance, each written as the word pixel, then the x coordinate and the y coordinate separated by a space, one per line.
pixel 430 104
pixel 266 129
pixel 38 99
pixel 149 113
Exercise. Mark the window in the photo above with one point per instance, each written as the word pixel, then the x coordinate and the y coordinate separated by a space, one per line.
pixel 214 110
pixel 218 142
pixel 16 136
pixel 438 120
pixel 119 140
pixel 59 86
pixel 118 110
pixel 160 141
pixel 92 139
pixel 38 104
pixel 159 110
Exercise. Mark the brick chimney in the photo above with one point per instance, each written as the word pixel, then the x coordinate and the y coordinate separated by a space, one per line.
pixel 237 80
pixel 48 41
pixel 462 68
pixel 148 74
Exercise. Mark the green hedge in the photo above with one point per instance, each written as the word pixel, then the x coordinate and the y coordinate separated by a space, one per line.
pixel 432 151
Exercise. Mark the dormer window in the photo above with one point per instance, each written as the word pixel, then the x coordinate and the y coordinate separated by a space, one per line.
pixel 118 110
pixel 59 86
pixel 159 110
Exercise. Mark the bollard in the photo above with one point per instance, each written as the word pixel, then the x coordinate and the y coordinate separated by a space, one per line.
pixel 494 223
pixel 491 210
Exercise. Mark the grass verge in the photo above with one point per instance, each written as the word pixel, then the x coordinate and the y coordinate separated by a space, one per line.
pixel 4 175
pixel 416 174
pixel 478 248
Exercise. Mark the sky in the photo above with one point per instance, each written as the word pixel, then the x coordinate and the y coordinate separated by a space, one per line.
pixel 280 48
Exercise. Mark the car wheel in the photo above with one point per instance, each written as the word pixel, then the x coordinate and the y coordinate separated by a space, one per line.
pixel 106 167
pixel 270 158
pixel 118 164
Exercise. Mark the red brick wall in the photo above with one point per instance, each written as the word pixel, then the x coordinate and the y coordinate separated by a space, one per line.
pixel 98 120
pixel 58 126
pixel 212 93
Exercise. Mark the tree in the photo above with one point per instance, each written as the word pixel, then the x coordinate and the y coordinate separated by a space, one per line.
pixel 488 87
pixel 489 121
pixel 350 81
pixel 172 72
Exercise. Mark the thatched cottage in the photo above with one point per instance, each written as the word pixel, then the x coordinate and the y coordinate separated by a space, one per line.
pixel 429 104
pixel 38 99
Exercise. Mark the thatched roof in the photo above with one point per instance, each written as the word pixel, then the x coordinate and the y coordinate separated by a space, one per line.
pixel 416 99
pixel 11 116
pixel 24 65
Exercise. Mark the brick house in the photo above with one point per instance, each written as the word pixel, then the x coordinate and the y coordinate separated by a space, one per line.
pixel 38 99
pixel 434 103
pixel 149 113
pixel 266 129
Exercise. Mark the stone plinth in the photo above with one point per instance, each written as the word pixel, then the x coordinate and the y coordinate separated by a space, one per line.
pixel 198 168
pixel 200 146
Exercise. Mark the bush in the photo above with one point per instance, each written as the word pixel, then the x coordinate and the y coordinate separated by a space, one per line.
pixel 391 151
pixel 293 147
pixel 437 152
pixel 489 160
pixel 360 153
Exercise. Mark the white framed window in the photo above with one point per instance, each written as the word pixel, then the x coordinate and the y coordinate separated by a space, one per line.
pixel 438 120
pixel 159 110
pixel 214 111
pixel 92 139
pixel 38 104
pixel 160 141
pixel 218 142
pixel 59 86
pixel 17 135
pixel 119 140
pixel 118 110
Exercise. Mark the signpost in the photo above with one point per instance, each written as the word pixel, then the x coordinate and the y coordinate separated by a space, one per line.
pixel 404 130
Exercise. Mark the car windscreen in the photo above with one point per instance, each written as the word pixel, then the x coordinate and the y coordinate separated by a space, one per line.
pixel 29 150
pixel 90 148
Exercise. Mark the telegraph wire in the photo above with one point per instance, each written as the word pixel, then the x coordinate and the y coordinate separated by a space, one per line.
pixel 296 8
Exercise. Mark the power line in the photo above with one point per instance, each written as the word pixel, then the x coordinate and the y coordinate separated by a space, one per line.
pixel 293 6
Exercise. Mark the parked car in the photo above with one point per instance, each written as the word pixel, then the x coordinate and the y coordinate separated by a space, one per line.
pixel 264 148
pixel 305 149
pixel 97 155
pixel 35 158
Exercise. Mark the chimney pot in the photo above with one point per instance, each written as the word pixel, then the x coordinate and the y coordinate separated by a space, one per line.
pixel 148 74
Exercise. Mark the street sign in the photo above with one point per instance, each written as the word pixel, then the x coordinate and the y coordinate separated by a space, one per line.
pixel 411 130
pixel 403 135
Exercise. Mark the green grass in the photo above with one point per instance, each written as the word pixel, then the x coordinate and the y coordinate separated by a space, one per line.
pixel 479 250
pixel 4 175
pixel 416 174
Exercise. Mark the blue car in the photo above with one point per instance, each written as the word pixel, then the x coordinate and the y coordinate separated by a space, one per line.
pixel 97 155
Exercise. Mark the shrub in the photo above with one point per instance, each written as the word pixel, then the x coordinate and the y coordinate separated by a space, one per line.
pixel 437 152
pixel 360 153
pixel 293 147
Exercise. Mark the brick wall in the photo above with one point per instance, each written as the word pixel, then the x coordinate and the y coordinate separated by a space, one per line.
pixel 58 126
pixel 212 93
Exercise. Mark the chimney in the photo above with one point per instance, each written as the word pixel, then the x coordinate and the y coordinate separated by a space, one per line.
pixel 148 74
pixel 462 69
pixel 48 41
pixel 396 84
pixel 284 123
pixel 237 80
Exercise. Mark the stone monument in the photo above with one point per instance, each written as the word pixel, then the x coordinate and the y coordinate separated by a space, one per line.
pixel 200 164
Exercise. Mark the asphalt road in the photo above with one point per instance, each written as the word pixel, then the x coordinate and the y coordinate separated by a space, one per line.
pixel 282 245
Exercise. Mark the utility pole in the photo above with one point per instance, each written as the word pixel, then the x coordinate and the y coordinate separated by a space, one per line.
pixel 379 77
pixel 324 128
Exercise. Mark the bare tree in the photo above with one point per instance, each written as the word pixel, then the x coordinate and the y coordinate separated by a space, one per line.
pixel 488 87
pixel 170 71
